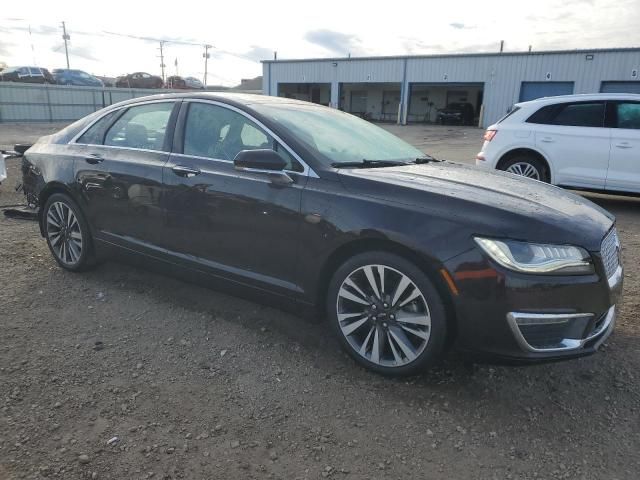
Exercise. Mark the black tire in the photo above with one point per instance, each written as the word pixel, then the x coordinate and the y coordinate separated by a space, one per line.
pixel 542 172
pixel 394 267
pixel 85 256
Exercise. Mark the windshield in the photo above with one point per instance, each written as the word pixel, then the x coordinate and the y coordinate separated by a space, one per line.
pixel 339 137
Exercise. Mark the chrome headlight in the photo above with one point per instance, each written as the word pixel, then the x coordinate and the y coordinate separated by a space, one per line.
pixel 538 258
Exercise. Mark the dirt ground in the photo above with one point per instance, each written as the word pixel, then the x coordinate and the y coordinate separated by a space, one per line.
pixel 120 373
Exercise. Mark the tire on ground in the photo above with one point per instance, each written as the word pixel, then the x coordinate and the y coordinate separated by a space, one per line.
pixel 86 259
pixel 437 331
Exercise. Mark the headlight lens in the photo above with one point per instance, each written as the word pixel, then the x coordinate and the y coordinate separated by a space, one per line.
pixel 538 258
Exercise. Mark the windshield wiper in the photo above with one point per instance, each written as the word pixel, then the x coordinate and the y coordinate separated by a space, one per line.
pixel 426 159
pixel 364 163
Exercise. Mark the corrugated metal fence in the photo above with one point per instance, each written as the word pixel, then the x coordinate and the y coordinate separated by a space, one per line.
pixel 23 102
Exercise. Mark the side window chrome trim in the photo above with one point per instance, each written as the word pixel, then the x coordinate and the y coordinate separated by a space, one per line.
pixel 75 138
pixel 223 160
pixel 306 169
pixel 122 148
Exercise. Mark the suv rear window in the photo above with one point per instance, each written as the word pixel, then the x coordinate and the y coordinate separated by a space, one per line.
pixel 582 114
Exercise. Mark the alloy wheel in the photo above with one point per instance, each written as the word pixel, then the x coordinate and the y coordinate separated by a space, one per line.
pixel 64 233
pixel 383 315
pixel 524 169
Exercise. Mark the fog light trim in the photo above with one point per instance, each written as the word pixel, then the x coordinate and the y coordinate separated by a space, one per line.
pixel 517 319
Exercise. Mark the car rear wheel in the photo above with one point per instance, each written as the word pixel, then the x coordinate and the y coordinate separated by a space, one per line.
pixel 526 166
pixel 67 233
pixel 387 314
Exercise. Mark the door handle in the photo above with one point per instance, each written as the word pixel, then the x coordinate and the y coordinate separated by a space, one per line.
pixel 94 159
pixel 623 145
pixel 547 140
pixel 183 171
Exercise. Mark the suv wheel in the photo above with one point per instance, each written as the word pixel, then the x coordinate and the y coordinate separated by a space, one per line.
pixel 386 313
pixel 67 233
pixel 526 166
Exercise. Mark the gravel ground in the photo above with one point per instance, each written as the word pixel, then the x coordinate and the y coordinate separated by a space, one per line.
pixel 120 373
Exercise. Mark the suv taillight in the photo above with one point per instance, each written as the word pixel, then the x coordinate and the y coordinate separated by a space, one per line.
pixel 489 134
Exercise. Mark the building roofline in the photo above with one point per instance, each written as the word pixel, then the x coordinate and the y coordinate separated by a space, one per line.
pixel 461 55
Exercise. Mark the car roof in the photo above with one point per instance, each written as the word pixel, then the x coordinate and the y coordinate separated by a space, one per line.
pixel 238 99
pixel 581 97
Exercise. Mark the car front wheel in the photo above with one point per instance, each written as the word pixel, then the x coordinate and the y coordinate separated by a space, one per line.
pixel 67 233
pixel 387 314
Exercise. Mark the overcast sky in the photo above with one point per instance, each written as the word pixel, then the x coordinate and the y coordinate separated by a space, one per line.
pixel 247 31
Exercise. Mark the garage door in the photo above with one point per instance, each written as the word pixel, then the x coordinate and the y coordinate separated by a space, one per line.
pixel 620 87
pixel 533 90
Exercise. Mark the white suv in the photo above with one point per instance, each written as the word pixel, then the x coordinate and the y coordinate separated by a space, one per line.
pixel 589 142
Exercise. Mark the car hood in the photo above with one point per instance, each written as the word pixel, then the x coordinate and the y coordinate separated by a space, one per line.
pixel 486 202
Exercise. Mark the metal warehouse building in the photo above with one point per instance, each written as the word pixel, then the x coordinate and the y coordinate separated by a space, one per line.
pixel 409 89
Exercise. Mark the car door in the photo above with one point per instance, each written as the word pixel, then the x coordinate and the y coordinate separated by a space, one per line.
pixel 145 80
pixel 236 223
pixel 576 143
pixel 119 171
pixel 624 163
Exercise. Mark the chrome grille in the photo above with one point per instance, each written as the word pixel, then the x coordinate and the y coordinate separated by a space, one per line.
pixel 610 252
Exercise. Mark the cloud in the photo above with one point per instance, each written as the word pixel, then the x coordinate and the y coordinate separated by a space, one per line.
pixel 336 42
pixel 258 53
pixel 37 29
pixel 461 26
pixel 4 48
pixel 414 46
pixel 76 51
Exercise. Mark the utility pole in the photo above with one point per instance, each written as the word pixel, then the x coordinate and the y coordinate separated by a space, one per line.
pixel 206 61
pixel 65 37
pixel 501 46
pixel 162 65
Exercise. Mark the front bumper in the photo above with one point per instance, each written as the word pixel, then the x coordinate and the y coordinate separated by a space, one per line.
pixel 503 315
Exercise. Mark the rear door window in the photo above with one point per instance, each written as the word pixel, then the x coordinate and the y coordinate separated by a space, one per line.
pixel 581 114
pixel 142 127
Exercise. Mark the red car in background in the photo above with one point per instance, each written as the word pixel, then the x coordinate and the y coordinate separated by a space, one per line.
pixel 176 82
pixel 139 80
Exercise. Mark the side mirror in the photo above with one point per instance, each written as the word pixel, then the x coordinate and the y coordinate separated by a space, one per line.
pixel 261 159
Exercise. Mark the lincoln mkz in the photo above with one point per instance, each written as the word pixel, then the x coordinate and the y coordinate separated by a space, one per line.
pixel 404 254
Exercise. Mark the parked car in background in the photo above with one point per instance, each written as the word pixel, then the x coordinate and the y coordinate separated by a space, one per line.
pixel 457 113
pixel 17 152
pixel 65 76
pixel 107 81
pixel 589 142
pixel 176 82
pixel 193 82
pixel 26 75
pixel 3 167
pixel 139 80
pixel 312 206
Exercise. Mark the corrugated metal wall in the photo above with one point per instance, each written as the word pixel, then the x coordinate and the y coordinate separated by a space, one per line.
pixel 501 75
pixel 21 102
